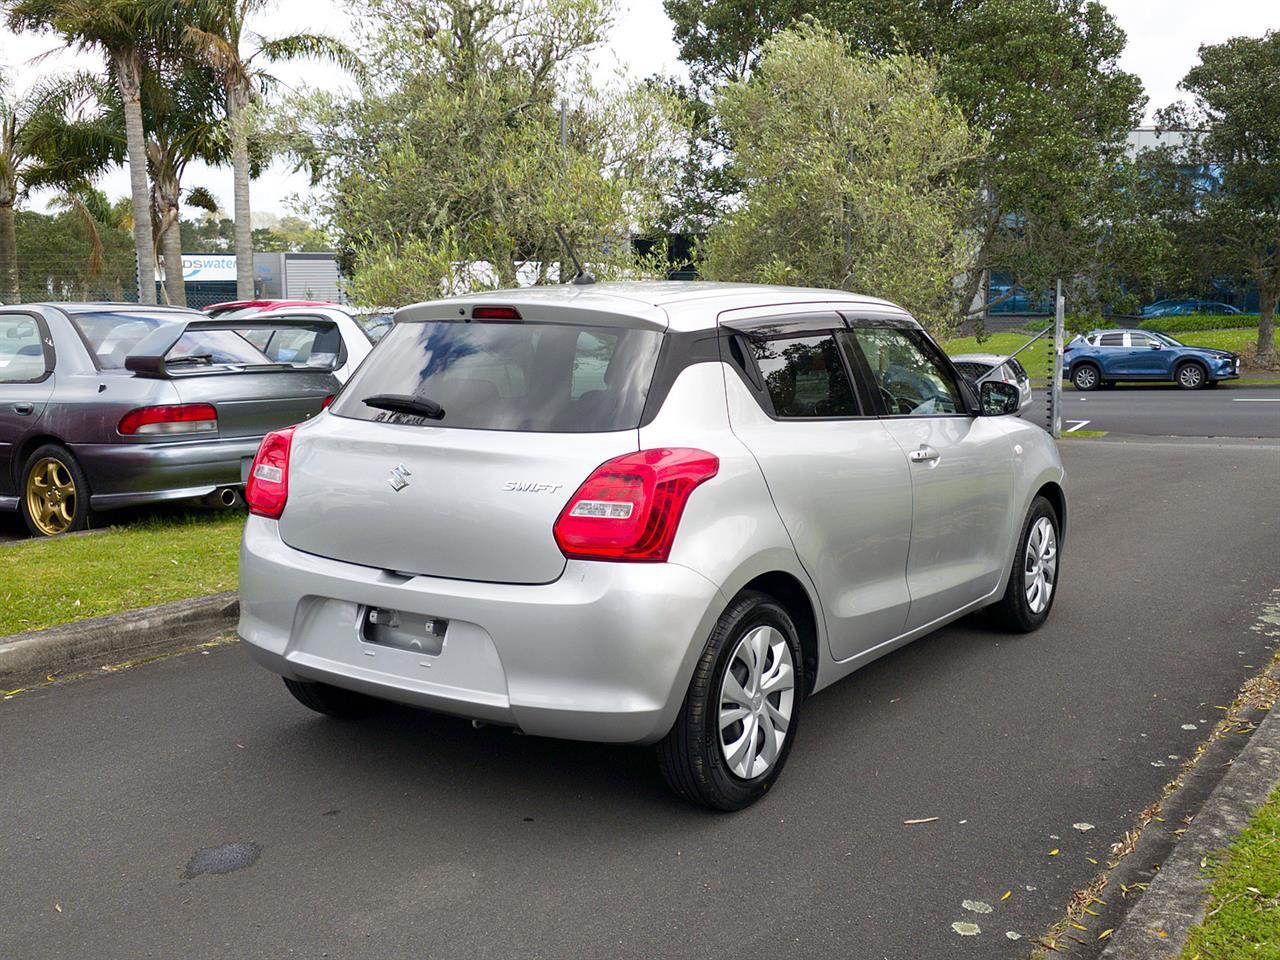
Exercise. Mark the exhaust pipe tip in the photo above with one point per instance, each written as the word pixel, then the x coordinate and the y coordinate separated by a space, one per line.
pixel 228 497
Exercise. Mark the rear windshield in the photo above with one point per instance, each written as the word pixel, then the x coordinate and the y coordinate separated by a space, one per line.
pixel 535 377
pixel 112 336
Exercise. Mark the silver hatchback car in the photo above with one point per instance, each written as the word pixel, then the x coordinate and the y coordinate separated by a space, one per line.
pixel 661 513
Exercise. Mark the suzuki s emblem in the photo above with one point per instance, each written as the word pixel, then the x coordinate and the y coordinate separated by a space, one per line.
pixel 399 478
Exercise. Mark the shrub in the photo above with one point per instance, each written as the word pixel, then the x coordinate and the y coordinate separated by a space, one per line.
pixel 1192 323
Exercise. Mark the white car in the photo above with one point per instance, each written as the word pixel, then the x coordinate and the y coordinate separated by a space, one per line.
pixel 335 340
pixel 978 366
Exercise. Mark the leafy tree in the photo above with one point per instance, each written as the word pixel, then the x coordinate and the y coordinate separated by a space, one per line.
pixel 218 31
pixel 1041 76
pixel 126 31
pixel 1221 188
pixel 73 255
pixel 292 234
pixel 447 159
pixel 852 173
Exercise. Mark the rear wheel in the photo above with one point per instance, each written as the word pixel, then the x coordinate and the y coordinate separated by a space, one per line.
pixel 1033 580
pixel 739 718
pixel 1086 377
pixel 1191 376
pixel 332 701
pixel 55 493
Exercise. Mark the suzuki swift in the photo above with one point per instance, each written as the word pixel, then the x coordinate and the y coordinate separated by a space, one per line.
pixel 661 513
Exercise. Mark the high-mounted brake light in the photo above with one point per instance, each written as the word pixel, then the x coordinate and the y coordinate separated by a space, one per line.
pixel 495 313
pixel 168 420
pixel 630 507
pixel 268 486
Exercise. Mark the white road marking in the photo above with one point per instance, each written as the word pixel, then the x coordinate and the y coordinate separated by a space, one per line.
pixel 1078 425
pixel 1255 399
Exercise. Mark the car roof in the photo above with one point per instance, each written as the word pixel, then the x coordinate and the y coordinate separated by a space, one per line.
pixel 106 306
pixel 680 305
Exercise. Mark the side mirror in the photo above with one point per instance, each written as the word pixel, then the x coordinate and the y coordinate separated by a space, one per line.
pixel 1157 346
pixel 999 399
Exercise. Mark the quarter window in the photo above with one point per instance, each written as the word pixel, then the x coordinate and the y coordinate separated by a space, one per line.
pixel 911 382
pixel 1111 340
pixel 805 376
pixel 22 358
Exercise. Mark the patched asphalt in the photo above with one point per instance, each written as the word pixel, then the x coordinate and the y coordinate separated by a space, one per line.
pixel 415 835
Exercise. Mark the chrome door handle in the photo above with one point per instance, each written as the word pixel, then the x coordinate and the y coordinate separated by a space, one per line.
pixel 23 409
pixel 924 454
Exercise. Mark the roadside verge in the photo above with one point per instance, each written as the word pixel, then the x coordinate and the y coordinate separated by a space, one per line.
pixel 30 657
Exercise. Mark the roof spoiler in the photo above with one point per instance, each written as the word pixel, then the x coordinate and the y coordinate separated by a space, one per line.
pixel 146 359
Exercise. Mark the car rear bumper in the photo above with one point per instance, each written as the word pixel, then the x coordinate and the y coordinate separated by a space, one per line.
pixel 124 474
pixel 604 653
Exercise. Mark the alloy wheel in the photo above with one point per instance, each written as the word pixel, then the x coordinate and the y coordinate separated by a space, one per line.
pixel 757 697
pixel 1086 378
pixel 1190 376
pixel 1041 565
pixel 51 496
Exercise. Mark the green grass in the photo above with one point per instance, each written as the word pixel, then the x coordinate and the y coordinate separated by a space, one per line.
pixel 1243 919
pixel 47 582
pixel 1083 433
pixel 1233 340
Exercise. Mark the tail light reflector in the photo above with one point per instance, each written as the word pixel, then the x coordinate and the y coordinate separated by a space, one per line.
pixel 630 507
pixel 268 486
pixel 179 418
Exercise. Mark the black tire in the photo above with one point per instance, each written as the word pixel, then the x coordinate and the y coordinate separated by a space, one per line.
pixel 1086 376
pixel 690 756
pixel 61 518
pixel 1191 376
pixel 333 701
pixel 1013 611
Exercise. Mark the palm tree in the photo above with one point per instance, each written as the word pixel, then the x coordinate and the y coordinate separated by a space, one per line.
pixel 32 154
pixel 217 31
pixel 125 31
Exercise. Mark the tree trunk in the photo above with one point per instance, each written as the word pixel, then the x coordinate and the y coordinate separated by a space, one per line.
pixel 8 254
pixel 1266 354
pixel 129 73
pixel 237 101
pixel 170 241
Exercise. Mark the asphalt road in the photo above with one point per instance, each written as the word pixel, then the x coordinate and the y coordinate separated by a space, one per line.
pixel 415 835
pixel 1232 410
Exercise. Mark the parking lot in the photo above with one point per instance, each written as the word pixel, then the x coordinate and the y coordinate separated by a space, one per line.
pixel 412 834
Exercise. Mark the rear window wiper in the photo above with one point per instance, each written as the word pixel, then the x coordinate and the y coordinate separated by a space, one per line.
pixel 190 358
pixel 403 403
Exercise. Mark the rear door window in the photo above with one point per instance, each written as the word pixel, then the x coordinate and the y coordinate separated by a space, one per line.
pixel 535 377
pixel 805 376
pixel 1111 340
pixel 23 358
pixel 315 344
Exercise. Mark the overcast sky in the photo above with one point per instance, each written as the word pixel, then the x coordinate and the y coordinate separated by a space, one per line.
pixel 1163 38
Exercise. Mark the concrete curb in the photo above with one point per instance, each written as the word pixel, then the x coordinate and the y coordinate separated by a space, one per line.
pixel 1176 900
pixel 28 657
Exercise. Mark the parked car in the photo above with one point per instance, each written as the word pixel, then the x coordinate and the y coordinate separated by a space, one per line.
pixel 245 308
pixel 113 405
pixel 1184 308
pixel 979 366
pixel 326 336
pixel 650 512
pixel 1102 358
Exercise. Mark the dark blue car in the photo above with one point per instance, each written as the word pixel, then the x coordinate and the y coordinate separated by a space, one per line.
pixel 1187 308
pixel 1104 357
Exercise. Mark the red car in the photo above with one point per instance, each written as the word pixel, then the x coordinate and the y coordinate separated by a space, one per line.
pixel 242 308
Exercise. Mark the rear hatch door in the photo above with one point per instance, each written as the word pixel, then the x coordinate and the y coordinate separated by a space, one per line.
pixel 530 409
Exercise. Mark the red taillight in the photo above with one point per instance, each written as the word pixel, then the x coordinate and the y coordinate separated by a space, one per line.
pixel 268 486
pixel 495 313
pixel 327 400
pixel 629 508
pixel 180 418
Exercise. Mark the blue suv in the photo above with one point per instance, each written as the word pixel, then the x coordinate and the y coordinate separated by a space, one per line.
pixel 1104 357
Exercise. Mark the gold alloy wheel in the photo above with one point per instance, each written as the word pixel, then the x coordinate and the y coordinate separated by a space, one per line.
pixel 51 496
